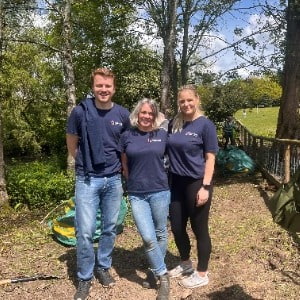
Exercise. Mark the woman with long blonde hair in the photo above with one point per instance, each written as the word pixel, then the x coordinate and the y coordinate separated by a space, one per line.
pixel 192 146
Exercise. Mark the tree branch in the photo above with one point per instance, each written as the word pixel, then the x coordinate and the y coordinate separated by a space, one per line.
pixel 36 43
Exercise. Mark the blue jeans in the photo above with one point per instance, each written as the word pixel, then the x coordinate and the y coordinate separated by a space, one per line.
pixel 91 193
pixel 150 212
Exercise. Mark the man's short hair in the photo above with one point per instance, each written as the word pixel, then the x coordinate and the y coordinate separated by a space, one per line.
pixel 103 72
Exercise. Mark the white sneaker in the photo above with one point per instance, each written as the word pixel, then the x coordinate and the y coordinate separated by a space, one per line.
pixel 194 280
pixel 182 269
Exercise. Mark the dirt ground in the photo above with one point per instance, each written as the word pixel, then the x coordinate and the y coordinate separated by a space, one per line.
pixel 252 257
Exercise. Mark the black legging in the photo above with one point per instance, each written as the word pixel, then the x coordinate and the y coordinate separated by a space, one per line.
pixel 183 207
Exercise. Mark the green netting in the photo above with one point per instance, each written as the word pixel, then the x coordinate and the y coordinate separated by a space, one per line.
pixel 63 227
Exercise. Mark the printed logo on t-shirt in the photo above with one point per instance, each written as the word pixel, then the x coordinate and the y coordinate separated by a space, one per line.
pixel 116 123
pixel 153 140
pixel 191 134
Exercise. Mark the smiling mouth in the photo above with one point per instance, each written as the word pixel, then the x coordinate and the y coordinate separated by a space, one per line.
pixel 145 120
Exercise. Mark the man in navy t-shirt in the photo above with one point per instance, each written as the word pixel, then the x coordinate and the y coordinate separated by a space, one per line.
pixel 93 132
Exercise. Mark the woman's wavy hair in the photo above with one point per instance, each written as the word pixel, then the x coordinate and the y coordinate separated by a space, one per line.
pixel 178 119
pixel 135 113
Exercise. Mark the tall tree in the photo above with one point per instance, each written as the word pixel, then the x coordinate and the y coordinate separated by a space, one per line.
pixel 288 125
pixel 3 191
pixel 68 55
pixel 184 25
pixel 67 59
pixel 168 90
pixel 63 11
pixel 164 15
pixel 200 22
pixel 197 18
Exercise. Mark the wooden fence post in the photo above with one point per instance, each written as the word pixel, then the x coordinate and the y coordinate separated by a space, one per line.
pixel 287 162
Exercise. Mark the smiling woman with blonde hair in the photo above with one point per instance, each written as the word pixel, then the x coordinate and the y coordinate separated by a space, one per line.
pixel 192 146
pixel 142 152
pixel 134 116
pixel 181 117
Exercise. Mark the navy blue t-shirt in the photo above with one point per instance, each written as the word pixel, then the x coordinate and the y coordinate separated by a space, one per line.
pixel 186 149
pixel 114 121
pixel 145 157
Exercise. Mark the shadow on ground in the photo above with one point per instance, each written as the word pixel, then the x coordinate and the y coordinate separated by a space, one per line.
pixel 125 262
pixel 234 292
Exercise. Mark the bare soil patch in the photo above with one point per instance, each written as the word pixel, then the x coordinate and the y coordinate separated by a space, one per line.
pixel 252 257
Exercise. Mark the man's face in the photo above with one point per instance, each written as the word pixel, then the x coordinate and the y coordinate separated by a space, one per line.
pixel 104 89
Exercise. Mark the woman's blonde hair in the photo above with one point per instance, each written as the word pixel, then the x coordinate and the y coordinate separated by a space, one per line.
pixel 135 113
pixel 178 119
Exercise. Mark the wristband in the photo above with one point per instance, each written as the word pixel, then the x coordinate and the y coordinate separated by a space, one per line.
pixel 206 186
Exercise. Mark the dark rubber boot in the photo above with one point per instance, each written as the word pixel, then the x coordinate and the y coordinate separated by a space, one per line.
pixel 164 287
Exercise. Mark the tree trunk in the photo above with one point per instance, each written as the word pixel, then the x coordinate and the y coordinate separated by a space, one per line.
pixel 186 15
pixel 68 66
pixel 288 125
pixel 3 191
pixel 174 87
pixel 169 59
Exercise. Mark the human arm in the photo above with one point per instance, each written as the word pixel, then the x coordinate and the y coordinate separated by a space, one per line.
pixel 203 194
pixel 124 165
pixel 72 144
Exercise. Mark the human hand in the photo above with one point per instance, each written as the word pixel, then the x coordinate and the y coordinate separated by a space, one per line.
pixel 202 197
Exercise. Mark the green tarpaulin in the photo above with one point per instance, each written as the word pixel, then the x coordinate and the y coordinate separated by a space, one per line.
pixel 235 160
pixel 63 227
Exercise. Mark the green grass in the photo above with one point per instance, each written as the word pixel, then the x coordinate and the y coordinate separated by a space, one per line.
pixel 259 121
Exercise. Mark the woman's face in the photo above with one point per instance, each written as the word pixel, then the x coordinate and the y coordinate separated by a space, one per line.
pixel 146 118
pixel 188 102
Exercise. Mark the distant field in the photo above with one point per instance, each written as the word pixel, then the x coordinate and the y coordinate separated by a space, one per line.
pixel 261 121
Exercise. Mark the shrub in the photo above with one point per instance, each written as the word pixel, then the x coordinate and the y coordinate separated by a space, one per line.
pixel 38 184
